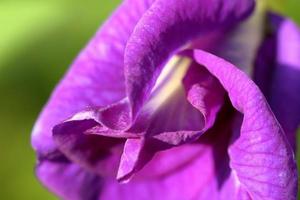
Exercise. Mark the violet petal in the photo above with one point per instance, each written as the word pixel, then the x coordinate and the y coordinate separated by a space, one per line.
pixel 98 154
pixel 165 27
pixel 96 78
pixel 278 73
pixel 261 155
pixel 57 175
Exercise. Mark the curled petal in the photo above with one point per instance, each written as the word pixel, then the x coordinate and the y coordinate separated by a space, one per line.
pixel 190 111
pixel 204 92
pixel 260 155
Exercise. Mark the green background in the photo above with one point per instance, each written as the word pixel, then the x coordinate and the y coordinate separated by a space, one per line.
pixel 38 41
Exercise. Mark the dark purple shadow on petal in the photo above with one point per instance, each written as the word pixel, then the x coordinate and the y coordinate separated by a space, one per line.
pixel 277 72
pixel 99 154
pixel 265 59
pixel 222 127
pixel 55 156
pixel 286 100
pixel 219 138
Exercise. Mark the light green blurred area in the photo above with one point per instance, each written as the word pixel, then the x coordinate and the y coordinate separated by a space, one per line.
pixel 38 41
pixel 287 7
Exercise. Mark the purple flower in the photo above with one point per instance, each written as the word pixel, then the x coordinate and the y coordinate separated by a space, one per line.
pixel 161 105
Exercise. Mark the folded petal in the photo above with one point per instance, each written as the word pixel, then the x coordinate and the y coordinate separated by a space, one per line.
pixel 191 171
pixel 163 29
pixel 278 72
pixel 260 154
pixel 125 119
pixel 204 92
pixel 178 113
pixel 133 158
pixel 198 170
pixel 171 115
pixel 96 78
pixel 190 111
pixel 99 154
pixel 201 88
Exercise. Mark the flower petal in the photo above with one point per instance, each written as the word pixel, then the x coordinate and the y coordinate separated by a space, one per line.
pixel 278 72
pixel 204 92
pixel 240 45
pixel 165 27
pixel 96 78
pixel 182 117
pixel 163 118
pixel 190 111
pixel 260 155
pixel 57 175
pixel 99 154
pixel 125 119
pixel 131 159
pixel 192 171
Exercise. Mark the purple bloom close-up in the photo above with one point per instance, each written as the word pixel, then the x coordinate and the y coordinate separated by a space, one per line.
pixel 177 100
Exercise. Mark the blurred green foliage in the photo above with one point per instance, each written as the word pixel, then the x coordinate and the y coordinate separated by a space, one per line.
pixel 287 7
pixel 38 41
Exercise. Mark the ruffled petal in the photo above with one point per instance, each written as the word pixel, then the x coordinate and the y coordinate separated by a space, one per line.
pixel 182 117
pixel 190 111
pixel 119 116
pixel 99 154
pixel 260 155
pixel 96 78
pixel 74 137
pixel 173 121
pixel 199 170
